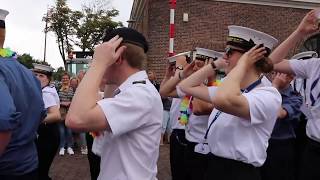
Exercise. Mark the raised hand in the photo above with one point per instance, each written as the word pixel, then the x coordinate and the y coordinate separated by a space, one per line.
pixel 281 80
pixel 309 23
pixel 252 56
pixel 109 52
pixel 170 70
pixel 220 63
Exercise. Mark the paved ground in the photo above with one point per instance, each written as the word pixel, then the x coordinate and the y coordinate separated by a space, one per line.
pixel 76 167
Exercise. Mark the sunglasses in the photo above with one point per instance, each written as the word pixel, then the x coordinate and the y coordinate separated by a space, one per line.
pixel 230 50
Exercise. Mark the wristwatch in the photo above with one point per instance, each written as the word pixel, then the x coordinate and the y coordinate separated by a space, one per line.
pixel 179 67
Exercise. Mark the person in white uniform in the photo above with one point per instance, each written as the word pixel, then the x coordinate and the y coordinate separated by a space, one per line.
pixel 177 137
pixel 48 132
pixel 132 118
pixel 198 111
pixel 308 69
pixel 300 85
pixel 246 106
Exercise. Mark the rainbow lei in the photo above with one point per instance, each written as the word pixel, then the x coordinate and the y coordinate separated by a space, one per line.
pixel 185 110
pixel 214 83
pixel 6 53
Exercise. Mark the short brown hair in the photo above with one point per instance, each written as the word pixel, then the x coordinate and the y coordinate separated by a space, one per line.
pixel 134 55
pixel 264 65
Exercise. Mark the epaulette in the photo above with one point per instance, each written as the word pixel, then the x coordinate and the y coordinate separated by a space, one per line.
pixel 139 82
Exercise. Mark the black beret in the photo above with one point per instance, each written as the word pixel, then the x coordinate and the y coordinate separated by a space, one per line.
pixel 129 35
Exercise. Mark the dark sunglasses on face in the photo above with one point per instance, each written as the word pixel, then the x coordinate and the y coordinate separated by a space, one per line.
pixel 229 51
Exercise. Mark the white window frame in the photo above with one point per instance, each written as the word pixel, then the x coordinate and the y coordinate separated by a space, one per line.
pixel 301 4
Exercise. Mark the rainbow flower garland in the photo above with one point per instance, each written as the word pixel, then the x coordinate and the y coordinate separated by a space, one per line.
pixel 214 83
pixel 6 53
pixel 185 110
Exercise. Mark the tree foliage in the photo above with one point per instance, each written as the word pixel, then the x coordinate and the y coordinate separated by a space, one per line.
pixel 57 75
pixel 27 60
pixel 83 29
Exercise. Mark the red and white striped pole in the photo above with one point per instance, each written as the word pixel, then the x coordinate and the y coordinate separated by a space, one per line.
pixel 173 4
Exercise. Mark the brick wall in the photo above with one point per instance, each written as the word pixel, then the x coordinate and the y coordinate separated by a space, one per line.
pixel 207 25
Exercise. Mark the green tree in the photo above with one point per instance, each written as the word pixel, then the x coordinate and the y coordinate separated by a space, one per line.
pixel 91 26
pixel 27 60
pixel 60 21
pixel 57 75
pixel 80 28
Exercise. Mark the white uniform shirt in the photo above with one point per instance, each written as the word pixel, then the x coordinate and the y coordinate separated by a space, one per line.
pixel 241 139
pixel 196 128
pixel 131 151
pixel 197 125
pixel 50 97
pixel 310 69
pixel 175 114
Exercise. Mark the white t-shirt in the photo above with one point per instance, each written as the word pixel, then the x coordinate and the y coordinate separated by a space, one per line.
pixel 175 114
pixel 310 69
pixel 241 139
pixel 50 97
pixel 131 150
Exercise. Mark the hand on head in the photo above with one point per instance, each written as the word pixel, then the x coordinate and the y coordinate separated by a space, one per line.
pixel 220 63
pixel 252 56
pixel 309 23
pixel 109 52
pixel 170 69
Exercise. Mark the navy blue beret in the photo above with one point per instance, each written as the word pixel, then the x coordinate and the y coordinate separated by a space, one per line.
pixel 129 35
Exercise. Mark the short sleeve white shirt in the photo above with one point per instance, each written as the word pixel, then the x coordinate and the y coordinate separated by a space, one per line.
pixel 310 70
pixel 196 128
pixel 241 139
pixel 175 114
pixel 131 150
pixel 197 125
pixel 50 97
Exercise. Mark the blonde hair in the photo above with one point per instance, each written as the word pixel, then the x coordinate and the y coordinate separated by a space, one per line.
pixel 135 55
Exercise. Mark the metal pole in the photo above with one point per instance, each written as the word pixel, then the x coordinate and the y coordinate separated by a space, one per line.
pixel 173 4
pixel 45 38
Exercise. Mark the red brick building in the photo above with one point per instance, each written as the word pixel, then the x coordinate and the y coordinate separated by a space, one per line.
pixel 207 22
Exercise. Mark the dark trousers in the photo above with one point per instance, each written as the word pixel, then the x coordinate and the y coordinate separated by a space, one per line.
pixel 94 160
pixel 196 163
pixel 177 151
pixel 227 169
pixel 47 146
pixel 301 142
pixel 29 176
pixel 279 164
pixel 310 167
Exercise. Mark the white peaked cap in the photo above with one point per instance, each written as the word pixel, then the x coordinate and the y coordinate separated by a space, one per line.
pixel 256 36
pixel 306 54
pixel 42 67
pixel 3 14
pixel 208 53
pixel 174 58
